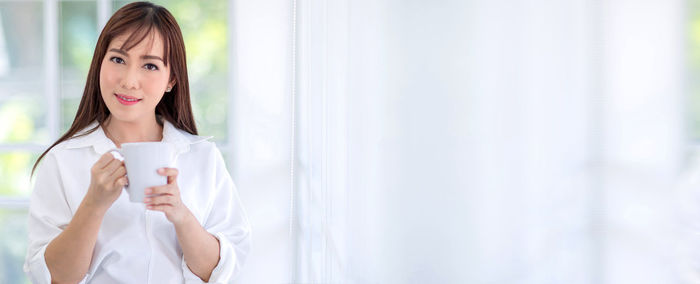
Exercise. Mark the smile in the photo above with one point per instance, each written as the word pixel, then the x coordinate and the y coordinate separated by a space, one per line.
pixel 126 100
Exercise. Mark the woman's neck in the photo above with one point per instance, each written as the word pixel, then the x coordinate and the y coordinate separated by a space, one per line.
pixel 147 130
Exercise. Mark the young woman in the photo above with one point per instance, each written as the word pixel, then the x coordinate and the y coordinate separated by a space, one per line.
pixel 82 227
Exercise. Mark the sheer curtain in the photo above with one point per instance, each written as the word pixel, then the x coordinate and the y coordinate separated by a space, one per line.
pixel 460 141
pixel 260 121
pixel 444 142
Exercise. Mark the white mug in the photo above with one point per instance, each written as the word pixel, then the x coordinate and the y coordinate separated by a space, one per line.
pixel 142 161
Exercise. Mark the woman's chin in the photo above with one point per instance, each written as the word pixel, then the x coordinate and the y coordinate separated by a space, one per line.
pixel 128 117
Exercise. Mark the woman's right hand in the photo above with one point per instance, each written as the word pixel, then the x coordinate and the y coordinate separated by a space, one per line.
pixel 108 177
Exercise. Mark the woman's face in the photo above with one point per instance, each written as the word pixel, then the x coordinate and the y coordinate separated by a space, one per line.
pixel 133 82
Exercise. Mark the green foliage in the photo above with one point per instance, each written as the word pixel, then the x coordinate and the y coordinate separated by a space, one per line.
pixel 14 173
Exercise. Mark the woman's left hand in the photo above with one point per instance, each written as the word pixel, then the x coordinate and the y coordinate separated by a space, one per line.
pixel 167 198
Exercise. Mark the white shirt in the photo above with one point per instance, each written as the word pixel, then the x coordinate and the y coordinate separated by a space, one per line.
pixel 135 245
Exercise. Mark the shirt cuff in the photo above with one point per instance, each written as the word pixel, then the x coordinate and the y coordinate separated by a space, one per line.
pixel 36 269
pixel 38 272
pixel 223 271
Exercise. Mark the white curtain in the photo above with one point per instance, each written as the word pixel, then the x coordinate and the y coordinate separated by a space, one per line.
pixel 260 121
pixel 473 141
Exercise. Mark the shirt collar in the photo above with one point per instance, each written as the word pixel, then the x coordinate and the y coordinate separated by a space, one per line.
pixel 180 139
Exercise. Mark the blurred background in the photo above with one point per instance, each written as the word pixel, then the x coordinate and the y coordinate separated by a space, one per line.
pixel 386 141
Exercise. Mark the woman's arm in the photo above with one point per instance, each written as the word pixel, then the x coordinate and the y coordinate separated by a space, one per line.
pixel 199 248
pixel 216 250
pixel 68 256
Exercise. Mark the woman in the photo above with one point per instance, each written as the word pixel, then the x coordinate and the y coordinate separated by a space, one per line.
pixel 81 227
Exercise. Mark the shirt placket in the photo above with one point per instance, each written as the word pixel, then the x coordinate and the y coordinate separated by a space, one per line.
pixel 151 241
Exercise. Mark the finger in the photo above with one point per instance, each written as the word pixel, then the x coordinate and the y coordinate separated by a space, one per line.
pixel 158 200
pixel 119 172
pixel 104 160
pixel 159 207
pixel 159 190
pixel 121 182
pixel 171 173
pixel 112 166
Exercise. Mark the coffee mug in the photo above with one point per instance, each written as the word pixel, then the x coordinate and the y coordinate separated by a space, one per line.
pixel 142 161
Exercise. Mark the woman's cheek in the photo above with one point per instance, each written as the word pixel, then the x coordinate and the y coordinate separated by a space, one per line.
pixel 109 76
pixel 156 83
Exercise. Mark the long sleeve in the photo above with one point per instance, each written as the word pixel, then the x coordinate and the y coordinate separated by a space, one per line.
pixel 49 214
pixel 228 222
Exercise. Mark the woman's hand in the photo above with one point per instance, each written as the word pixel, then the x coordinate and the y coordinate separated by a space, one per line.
pixel 108 177
pixel 167 198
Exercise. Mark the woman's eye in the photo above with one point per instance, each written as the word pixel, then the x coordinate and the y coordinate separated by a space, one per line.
pixel 117 60
pixel 151 67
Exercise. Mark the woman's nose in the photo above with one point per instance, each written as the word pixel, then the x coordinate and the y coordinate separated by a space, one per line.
pixel 130 78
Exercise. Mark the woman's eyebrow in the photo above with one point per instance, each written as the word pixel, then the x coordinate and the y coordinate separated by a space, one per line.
pixel 122 52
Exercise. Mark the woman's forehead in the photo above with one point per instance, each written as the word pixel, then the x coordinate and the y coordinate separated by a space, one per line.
pixel 151 44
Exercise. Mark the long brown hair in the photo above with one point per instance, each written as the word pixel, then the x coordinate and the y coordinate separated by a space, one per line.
pixel 141 18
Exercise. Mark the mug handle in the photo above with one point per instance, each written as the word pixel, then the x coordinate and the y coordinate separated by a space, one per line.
pixel 117 154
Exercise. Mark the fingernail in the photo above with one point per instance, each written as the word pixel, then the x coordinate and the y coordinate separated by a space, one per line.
pixel 148 190
pixel 146 200
pixel 161 170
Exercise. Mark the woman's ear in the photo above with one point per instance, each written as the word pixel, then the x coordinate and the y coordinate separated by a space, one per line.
pixel 170 86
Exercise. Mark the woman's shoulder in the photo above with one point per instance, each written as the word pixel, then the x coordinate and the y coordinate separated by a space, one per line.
pixel 68 152
pixel 202 154
pixel 197 144
pixel 82 138
pixel 203 145
pixel 195 139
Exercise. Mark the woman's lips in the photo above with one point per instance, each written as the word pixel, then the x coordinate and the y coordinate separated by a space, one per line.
pixel 126 102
